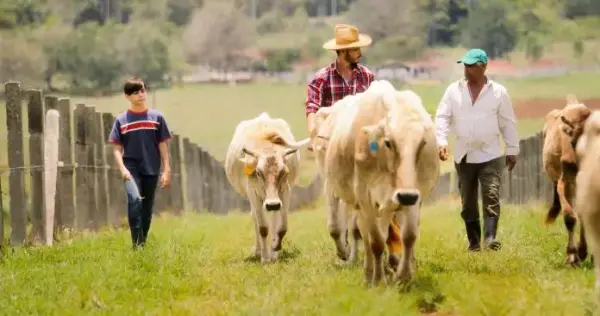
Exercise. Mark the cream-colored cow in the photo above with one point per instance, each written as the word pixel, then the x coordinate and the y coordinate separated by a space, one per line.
pixel 382 157
pixel 587 197
pixel 338 209
pixel 262 164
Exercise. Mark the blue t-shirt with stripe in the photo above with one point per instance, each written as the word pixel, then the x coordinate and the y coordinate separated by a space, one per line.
pixel 140 133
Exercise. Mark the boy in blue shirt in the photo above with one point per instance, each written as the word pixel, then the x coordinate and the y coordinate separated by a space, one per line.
pixel 140 139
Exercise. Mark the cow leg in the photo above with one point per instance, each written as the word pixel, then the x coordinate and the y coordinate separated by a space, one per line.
pixel 582 250
pixel 562 187
pixel 262 228
pixel 336 225
pixel 555 207
pixel 394 243
pixel 589 219
pixel 570 221
pixel 368 259
pixel 378 245
pixel 279 224
pixel 410 231
pixel 355 236
pixel 257 249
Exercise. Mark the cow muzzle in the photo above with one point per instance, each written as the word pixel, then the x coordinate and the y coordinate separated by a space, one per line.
pixel 406 197
pixel 272 205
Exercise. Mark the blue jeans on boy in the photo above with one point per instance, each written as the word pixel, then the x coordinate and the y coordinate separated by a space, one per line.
pixel 140 190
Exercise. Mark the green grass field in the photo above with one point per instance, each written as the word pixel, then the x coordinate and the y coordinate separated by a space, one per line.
pixel 196 265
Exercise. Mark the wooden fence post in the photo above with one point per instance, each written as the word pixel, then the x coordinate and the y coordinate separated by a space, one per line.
pixel 35 113
pixel 51 133
pixel 85 200
pixel 188 159
pixel 176 179
pixel 14 114
pixel 91 168
pixel 100 163
pixel 116 194
pixel 65 202
pixel 204 181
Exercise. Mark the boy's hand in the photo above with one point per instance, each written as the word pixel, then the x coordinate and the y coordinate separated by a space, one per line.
pixel 165 178
pixel 125 174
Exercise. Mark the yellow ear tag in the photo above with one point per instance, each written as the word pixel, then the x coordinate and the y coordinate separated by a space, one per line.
pixel 248 170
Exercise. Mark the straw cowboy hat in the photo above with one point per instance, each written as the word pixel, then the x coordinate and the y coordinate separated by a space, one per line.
pixel 347 36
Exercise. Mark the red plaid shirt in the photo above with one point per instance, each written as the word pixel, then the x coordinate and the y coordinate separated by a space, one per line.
pixel 329 86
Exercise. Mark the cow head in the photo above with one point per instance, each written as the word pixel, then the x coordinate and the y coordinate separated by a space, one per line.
pixel 573 118
pixel 397 151
pixel 267 171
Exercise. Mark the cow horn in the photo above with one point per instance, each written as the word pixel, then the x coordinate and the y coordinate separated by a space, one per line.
pixel 290 151
pixel 297 145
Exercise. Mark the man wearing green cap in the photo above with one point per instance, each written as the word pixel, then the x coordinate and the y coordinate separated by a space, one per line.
pixel 478 110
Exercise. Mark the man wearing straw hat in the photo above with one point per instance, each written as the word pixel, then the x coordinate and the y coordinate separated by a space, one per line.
pixel 343 77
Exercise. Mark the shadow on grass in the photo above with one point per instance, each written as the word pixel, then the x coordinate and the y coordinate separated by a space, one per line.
pixel 426 288
pixel 285 255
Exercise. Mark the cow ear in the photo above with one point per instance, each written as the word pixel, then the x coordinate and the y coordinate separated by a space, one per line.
pixel 250 167
pixel 249 163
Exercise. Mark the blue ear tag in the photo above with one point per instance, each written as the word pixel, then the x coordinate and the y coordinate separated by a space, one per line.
pixel 373 146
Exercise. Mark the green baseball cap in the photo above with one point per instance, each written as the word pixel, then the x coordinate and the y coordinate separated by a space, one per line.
pixel 474 56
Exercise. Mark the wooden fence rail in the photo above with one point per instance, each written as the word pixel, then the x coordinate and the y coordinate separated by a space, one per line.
pixel 89 189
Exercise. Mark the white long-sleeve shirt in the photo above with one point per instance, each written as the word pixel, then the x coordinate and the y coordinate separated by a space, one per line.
pixel 478 126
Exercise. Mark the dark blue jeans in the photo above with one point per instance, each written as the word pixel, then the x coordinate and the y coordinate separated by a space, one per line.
pixel 140 190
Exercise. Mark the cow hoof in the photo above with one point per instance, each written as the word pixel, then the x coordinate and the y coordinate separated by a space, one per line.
pixel 394 261
pixel 269 258
pixel 572 260
pixel 275 255
pixel 342 254
pixel 582 253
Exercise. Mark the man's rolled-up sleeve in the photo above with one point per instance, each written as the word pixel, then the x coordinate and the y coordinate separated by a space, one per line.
pixel 314 95
pixel 507 122
pixel 443 117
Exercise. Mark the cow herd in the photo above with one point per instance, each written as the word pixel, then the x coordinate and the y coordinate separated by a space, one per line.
pixel 377 154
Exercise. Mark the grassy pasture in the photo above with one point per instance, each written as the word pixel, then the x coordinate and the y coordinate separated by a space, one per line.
pixel 195 265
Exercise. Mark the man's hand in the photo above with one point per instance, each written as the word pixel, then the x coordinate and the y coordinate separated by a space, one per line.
pixel 125 174
pixel 443 153
pixel 165 178
pixel 511 161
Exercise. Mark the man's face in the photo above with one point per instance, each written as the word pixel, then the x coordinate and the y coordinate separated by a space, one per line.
pixel 352 55
pixel 475 71
pixel 138 97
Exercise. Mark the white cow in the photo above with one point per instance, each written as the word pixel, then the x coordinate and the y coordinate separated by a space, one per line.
pixel 587 194
pixel 382 157
pixel 262 164
pixel 338 209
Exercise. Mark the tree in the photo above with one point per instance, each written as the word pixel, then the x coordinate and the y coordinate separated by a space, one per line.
pixel 490 26
pixel 217 35
pixel 396 26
